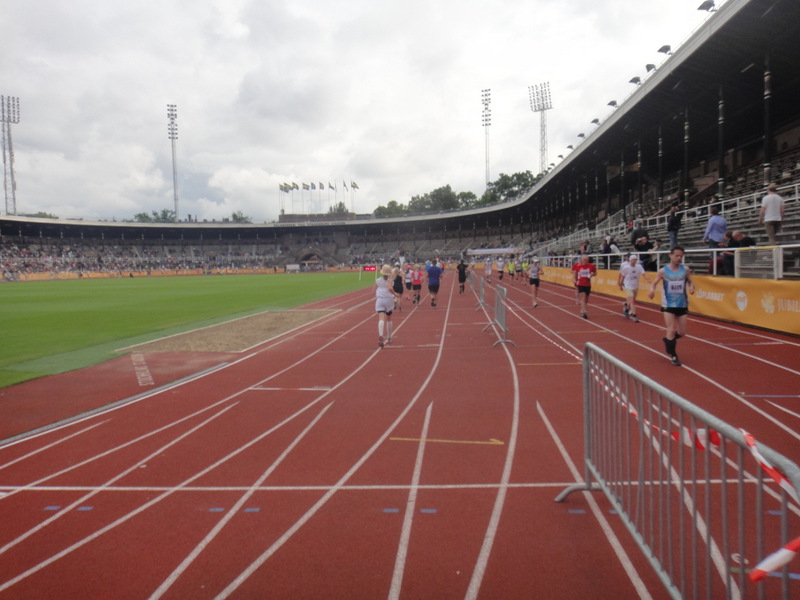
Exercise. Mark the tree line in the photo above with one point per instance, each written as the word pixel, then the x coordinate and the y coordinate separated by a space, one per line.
pixel 444 199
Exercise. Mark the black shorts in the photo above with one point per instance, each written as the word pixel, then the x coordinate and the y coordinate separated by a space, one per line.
pixel 417 287
pixel 534 281
pixel 675 310
pixel 585 289
pixel 408 285
pixel 398 289
pixel 433 289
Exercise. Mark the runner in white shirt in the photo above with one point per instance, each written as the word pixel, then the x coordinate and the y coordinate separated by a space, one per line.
pixel 628 282
pixel 384 304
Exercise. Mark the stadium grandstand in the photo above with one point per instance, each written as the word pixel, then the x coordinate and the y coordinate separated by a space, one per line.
pixel 713 124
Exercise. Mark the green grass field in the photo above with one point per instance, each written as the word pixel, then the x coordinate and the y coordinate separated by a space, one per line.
pixel 57 326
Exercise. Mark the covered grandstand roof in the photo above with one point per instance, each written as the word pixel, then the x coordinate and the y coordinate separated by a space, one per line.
pixel 728 60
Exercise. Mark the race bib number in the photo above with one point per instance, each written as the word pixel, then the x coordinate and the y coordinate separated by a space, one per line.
pixel 675 287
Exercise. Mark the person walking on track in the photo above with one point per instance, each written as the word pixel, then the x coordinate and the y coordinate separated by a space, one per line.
pixel 434 274
pixel 628 282
pixel 409 272
pixel 676 279
pixel 397 286
pixel 534 273
pixel 462 275
pixel 416 284
pixel 582 272
pixel 384 305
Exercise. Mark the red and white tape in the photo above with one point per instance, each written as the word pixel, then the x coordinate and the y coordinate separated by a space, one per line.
pixel 775 561
pixel 776 475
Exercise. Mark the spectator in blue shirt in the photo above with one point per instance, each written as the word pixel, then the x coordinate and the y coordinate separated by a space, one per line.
pixel 714 235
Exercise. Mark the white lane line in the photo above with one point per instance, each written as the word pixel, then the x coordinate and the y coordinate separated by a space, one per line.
pixel 411 504
pixel 624 560
pixel 494 521
pixel 80 543
pixel 135 512
pixel 117 477
pixel 180 569
pixel 48 446
pixel 244 575
pixel 738 397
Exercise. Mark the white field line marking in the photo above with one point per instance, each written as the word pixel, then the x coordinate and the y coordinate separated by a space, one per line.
pixel 117 477
pixel 48 446
pixel 150 503
pixel 244 575
pixel 408 518
pixel 180 569
pixel 144 436
pixel 559 485
pixel 624 560
pixel 167 337
pixel 130 515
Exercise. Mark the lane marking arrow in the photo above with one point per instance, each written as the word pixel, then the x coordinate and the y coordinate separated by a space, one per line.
pixel 491 442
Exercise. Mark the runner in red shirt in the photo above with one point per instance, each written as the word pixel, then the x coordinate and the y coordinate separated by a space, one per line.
pixel 582 273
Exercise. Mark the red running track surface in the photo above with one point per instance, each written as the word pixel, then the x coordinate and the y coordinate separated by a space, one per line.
pixel 319 466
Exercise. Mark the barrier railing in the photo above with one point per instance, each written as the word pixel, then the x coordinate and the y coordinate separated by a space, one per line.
pixel 481 288
pixel 703 500
pixel 499 319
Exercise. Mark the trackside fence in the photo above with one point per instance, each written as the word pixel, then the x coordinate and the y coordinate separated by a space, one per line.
pixel 500 321
pixel 711 508
pixel 472 278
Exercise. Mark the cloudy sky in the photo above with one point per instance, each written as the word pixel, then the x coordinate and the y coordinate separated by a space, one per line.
pixel 386 93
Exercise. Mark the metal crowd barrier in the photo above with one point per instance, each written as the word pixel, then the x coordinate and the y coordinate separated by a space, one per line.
pixel 710 508
pixel 481 288
pixel 500 320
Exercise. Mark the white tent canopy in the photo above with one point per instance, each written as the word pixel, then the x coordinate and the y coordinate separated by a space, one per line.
pixel 493 251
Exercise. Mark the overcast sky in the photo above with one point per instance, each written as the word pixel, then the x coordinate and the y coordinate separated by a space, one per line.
pixel 385 93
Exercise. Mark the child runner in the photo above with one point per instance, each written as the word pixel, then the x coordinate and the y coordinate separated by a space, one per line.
pixel 677 283
pixel 628 282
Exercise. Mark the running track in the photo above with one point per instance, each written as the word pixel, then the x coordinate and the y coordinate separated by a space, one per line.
pixel 318 466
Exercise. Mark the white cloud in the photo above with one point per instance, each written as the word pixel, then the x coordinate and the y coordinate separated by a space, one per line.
pixel 384 94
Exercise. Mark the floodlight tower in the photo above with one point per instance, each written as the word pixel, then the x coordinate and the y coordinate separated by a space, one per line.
pixel 486 99
pixel 172 133
pixel 540 102
pixel 9 114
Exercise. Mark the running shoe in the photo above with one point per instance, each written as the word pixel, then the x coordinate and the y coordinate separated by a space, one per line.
pixel 635 319
pixel 535 304
pixel 585 316
pixel 675 361
pixel 380 341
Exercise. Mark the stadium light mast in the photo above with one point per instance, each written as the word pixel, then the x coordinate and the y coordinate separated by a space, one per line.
pixel 486 99
pixel 9 114
pixel 540 102
pixel 172 133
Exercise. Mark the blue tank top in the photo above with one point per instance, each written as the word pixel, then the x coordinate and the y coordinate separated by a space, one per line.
pixel 675 293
